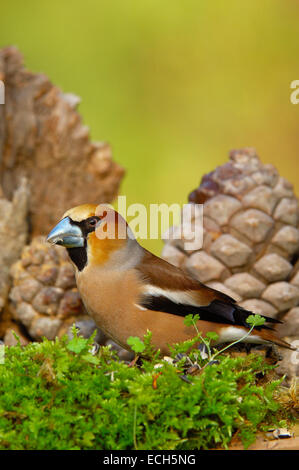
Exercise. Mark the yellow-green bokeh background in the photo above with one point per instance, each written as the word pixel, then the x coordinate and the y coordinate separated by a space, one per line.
pixel 173 85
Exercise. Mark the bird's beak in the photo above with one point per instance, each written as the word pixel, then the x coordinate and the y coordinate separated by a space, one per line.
pixel 66 234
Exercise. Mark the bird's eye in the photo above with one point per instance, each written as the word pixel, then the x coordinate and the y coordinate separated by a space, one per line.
pixel 92 222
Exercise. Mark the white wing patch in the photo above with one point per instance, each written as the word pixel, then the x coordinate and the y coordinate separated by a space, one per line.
pixel 233 333
pixel 179 297
pixel 140 307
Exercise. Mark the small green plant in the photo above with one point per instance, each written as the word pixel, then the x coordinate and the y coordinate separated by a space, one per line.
pixel 210 337
pixel 58 395
pixel 144 347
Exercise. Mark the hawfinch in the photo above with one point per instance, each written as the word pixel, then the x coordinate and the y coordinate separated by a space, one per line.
pixel 127 290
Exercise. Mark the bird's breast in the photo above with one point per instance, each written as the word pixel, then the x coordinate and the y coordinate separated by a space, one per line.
pixel 110 298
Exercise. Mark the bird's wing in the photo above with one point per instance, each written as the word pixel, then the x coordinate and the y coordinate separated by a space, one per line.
pixel 168 289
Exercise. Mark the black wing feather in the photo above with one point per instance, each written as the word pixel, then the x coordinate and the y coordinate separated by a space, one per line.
pixel 217 311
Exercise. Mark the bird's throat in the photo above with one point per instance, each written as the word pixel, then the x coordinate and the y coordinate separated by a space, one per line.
pixel 78 256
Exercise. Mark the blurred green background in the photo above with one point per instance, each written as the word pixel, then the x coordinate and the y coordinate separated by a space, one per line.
pixel 172 85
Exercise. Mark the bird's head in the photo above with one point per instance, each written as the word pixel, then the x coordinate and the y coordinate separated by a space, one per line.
pixel 90 233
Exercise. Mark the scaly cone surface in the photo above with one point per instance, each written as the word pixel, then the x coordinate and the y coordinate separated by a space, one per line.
pixel 250 240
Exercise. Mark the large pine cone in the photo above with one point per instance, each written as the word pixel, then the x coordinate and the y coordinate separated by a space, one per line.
pixel 250 238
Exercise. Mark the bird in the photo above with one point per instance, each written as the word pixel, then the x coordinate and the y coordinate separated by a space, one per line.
pixel 127 290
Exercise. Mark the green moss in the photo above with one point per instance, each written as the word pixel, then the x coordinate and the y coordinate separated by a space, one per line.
pixel 57 395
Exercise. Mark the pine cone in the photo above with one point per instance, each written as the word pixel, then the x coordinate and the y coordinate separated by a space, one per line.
pixel 44 297
pixel 250 238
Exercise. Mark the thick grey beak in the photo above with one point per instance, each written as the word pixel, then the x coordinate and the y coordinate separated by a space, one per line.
pixel 66 234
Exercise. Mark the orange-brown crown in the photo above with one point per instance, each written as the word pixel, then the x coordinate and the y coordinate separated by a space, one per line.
pixel 109 236
pixel 80 213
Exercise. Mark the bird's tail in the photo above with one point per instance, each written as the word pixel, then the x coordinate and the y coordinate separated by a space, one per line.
pixel 270 336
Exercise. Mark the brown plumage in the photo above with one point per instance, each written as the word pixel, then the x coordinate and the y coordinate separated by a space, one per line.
pixel 127 290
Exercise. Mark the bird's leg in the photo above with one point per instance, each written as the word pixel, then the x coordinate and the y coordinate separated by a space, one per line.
pixel 133 363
